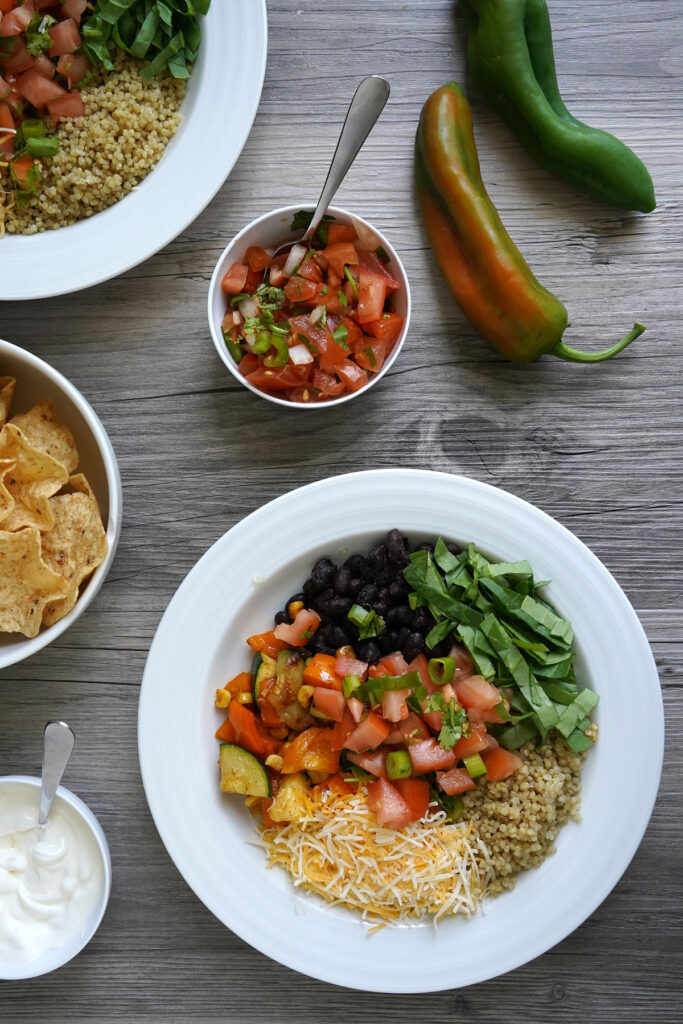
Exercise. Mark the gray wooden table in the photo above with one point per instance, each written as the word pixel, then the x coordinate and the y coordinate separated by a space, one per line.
pixel 597 447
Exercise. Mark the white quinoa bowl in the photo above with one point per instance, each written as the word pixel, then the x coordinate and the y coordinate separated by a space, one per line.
pixel 270 231
pixel 51 959
pixel 36 379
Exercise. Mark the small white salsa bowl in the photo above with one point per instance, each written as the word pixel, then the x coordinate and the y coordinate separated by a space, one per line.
pixel 51 959
pixel 270 231
pixel 36 379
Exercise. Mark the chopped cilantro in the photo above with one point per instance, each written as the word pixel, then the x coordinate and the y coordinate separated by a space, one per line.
pixel 37 33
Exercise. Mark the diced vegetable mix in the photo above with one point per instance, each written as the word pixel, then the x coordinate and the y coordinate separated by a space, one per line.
pixel 418 732
pixel 311 325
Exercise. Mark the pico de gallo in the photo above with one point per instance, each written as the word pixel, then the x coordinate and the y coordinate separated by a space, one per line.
pixel 312 324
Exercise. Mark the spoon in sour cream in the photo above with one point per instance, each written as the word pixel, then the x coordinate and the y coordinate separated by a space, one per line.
pixel 58 742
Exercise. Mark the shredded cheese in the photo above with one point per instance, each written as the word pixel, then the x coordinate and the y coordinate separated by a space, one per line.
pixel 433 867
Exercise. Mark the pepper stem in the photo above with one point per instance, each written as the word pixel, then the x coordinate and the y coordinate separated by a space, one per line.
pixel 573 355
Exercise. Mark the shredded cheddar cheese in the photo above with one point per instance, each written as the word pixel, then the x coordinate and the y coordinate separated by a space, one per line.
pixel 432 867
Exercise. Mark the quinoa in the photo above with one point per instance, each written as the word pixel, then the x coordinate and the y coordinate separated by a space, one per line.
pixel 519 819
pixel 102 156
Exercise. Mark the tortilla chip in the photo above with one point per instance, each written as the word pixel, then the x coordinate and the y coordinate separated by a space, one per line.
pixel 74 547
pixel 78 484
pixel 46 433
pixel 6 395
pixel 34 479
pixel 6 499
pixel 27 584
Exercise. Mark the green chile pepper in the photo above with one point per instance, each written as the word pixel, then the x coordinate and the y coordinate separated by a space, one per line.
pixel 510 53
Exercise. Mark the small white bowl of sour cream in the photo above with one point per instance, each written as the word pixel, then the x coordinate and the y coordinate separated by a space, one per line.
pixel 54 881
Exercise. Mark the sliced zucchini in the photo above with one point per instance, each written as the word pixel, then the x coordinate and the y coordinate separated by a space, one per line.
pixel 290 666
pixel 241 772
pixel 266 669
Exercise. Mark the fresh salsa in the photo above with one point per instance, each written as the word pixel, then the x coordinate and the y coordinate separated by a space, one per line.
pixel 411 733
pixel 309 325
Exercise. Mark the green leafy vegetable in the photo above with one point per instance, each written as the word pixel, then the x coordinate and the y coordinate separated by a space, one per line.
pixel 302 219
pixel 452 805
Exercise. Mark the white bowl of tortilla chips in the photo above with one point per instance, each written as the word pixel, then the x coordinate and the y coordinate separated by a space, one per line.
pixel 60 504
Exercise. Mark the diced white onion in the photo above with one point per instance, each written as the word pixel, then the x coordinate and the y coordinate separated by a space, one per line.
pixel 300 355
pixel 250 339
pixel 248 307
pixel 367 239
pixel 316 314
pixel 295 257
pixel 237 318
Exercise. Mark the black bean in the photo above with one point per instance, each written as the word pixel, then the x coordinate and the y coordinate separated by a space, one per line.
pixel 453 548
pixel 321 645
pixel 411 649
pixel 384 642
pixel 396 548
pixel 282 617
pixel 399 616
pixel 404 635
pixel 342 581
pixel 319 601
pixel 356 565
pixel 425 547
pixel 366 596
pixel 295 597
pixel 368 650
pixel 422 620
pixel 378 558
pixel 324 572
pixel 381 607
pixel 354 587
pixel 398 592
pixel 338 637
pixel 338 607
pixel 441 650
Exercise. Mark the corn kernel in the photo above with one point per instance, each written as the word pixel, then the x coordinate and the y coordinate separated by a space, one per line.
pixel 245 697
pixel 305 695
pixel 275 762
pixel 223 699
pixel 294 607
pixel 346 652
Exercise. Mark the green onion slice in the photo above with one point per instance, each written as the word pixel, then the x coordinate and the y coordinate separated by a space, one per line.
pixel 441 670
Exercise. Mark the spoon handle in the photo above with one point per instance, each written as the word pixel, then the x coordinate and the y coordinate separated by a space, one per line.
pixel 364 109
pixel 58 742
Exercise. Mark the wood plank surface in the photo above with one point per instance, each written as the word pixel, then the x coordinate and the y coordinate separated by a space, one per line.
pixel 597 447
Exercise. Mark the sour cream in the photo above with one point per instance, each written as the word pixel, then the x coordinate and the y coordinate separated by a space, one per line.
pixel 51 878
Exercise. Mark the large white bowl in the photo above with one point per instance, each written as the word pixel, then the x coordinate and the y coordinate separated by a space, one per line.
pixel 218 111
pixel 51 959
pixel 274 229
pixel 36 379
pixel 234 590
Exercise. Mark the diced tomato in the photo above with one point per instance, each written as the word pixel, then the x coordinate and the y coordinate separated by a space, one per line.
pixel 342 730
pixel 21 167
pixel 457 780
pixel 500 763
pixel 394 707
pixel 249 363
pixel 70 105
pixel 354 335
pixel 472 744
pixel 276 274
pixel 44 66
pixel 476 692
pixel 429 756
pixel 420 665
pixel 357 708
pixel 372 293
pixel 7 5
pixel 250 732
pixel 331 702
pixel 327 384
pixel 5 88
pixel 16 58
pixel 226 732
pixel 312 750
pixel 6 122
pixel 464 666
pixel 322 671
pixel 338 784
pixel 333 357
pixel 369 734
pixel 413 729
pixel 74 67
pixel 65 37
pixel 310 270
pixel 284 379
pixel 346 666
pixel 298 289
pixel 371 262
pixel 340 233
pixel 234 279
pixel 74 9
pixel 339 255
pixel 257 258
pixel 489 715
pixel 415 792
pixel 372 355
pixel 375 763
pixel 353 376
pixel 301 630
pixel 37 90
pixel 15 21
pixel 491 742
pixel 387 328
pixel 267 643
pixel 387 804
pixel 395 663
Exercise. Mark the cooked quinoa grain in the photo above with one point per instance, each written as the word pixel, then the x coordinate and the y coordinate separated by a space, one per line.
pixel 102 156
pixel 519 819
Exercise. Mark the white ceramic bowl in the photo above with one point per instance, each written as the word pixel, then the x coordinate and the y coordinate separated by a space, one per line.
pixel 233 592
pixel 270 231
pixel 36 379
pixel 51 959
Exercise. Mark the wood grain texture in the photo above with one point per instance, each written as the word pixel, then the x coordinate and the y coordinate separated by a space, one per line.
pixel 599 448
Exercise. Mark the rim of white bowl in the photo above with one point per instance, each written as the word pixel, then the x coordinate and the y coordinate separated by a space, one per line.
pixel 31 645
pixel 285 212
pixel 22 970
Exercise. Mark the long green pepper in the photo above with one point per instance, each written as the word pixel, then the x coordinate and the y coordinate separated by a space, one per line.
pixel 510 53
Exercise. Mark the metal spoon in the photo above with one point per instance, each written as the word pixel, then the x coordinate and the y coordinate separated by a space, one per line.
pixel 58 742
pixel 364 109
